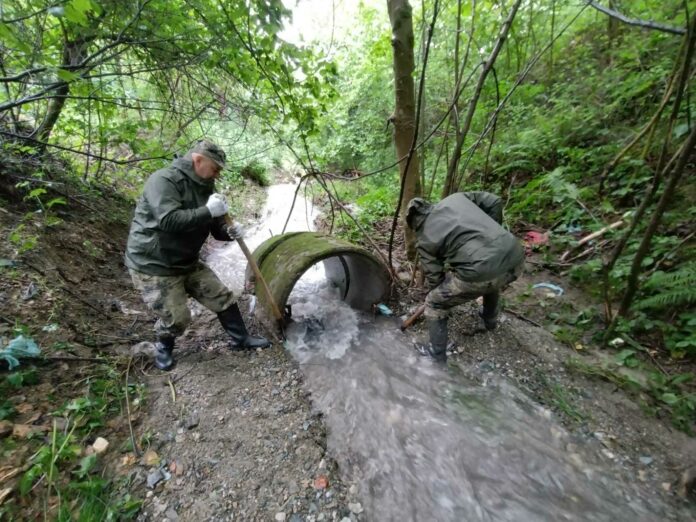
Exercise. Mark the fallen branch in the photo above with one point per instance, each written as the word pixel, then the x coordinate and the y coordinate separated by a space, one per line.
pixel 590 237
pixel 522 317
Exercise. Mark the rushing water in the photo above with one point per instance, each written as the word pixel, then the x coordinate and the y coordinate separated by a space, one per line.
pixel 429 442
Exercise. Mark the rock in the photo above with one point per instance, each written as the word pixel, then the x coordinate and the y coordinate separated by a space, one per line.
pixel 24 431
pixel 646 461
pixel 172 515
pixel 154 478
pixel 100 445
pixel 687 483
pixel 5 428
pixel 280 517
pixel 176 467
pixel 321 482
pixel 150 458
pixel 192 422
pixel 355 507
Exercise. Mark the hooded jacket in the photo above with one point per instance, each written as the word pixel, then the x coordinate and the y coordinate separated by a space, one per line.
pixel 171 222
pixel 463 232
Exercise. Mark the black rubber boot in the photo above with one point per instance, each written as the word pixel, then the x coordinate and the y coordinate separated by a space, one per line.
pixel 437 347
pixel 163 353
pixel 489 312
pixel 232 322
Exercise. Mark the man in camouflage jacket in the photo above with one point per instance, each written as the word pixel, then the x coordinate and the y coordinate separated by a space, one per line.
pixel 173 218
pixel 465 253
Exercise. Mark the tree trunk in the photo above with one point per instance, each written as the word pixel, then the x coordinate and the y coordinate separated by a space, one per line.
pixel 404 117
pixel 72 55
pixel 632 284
pixel 450 185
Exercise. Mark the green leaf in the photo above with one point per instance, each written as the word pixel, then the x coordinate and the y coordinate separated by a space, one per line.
pixel 67 76
pixel 669 398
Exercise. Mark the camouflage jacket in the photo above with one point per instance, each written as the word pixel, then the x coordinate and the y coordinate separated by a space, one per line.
pixel 463 232
pixel 171 222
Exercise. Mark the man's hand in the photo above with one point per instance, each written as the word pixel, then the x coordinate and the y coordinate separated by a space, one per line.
pixel 235 231
pixel 217 205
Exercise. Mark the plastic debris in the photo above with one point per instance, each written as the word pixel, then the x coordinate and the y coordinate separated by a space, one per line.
pixel 383 309
pixel 19 347
pixel 533 240
pixel 550 286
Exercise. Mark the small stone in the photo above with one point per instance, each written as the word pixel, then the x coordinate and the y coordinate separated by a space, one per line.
pixel 280 517
pixel 355 507
pixel 353 490
pixel 154 478
pixel 192 422
pixel 24 431
pixel 176 467
pixel 172 515
pixel 5 428
pixel 666 486
pixel 100 445
pixel 321 482
pixel 642 475
pixel 646 461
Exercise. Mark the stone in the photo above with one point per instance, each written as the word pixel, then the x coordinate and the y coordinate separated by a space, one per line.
pixel 100 445
pixel 192 422
pixel 280 516
pixel 24 431
pixel 645 460
pixel 154 478
pixel 355 507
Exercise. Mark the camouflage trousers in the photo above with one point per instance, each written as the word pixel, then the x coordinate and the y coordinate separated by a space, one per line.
pixel 454 291
pixel 167 297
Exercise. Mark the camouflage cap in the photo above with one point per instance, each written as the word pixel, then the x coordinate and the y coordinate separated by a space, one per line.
pixel 210 150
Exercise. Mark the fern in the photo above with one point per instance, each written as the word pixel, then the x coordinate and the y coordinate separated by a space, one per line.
pixel 674 289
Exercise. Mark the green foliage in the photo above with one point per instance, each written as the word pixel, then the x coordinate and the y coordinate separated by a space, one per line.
pixel 257 172
pixel 674 289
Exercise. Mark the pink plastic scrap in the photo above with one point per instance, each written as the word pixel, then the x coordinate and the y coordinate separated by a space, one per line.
pixel 534 239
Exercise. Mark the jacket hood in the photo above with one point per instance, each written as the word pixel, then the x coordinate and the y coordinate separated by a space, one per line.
pixel 185 165
pixel 417 211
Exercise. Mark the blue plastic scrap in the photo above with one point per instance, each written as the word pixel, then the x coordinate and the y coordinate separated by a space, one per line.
pixel 384 309
pixel 18 347
pixel 554 288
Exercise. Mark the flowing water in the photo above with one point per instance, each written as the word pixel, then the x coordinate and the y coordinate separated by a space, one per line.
pixel 429 442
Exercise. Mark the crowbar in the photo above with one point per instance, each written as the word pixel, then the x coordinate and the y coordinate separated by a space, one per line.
pixel 259 277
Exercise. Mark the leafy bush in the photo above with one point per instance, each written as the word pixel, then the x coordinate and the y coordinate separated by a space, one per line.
pixel 256 172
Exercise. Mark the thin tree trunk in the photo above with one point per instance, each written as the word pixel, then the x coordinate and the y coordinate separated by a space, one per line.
pixel 632 284
pixel 404 116
pixel 449 186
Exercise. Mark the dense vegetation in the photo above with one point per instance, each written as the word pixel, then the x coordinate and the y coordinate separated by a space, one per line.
pixel 580 114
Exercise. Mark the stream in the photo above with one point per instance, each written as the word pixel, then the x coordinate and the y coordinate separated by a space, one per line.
pixel 425 441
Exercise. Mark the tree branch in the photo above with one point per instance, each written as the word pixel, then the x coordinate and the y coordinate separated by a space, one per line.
pixel 647 24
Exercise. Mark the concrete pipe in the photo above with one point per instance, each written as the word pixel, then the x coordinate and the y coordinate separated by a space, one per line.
pixel 362 278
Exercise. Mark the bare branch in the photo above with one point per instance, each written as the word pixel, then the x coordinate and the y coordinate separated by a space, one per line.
pixel 647 24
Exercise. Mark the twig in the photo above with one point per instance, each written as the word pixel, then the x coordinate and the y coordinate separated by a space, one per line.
pixel 590 237
pixel 520 316
pixel 128 411
pixel 172 389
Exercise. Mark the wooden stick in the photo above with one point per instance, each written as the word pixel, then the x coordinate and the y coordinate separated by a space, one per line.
pixel 259 276
pixel 593 235
pixel 408 322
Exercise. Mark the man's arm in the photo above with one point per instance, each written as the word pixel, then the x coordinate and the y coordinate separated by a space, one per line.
pixel 165 205
pixel 489 203
pixel 433 269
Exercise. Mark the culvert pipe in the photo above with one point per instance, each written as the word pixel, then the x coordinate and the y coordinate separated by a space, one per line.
pixel 362 278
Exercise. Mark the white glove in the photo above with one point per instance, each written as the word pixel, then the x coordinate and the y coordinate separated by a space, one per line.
pixel 235 231
pixel 217 205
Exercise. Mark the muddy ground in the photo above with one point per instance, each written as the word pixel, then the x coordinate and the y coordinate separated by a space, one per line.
pixel 233 436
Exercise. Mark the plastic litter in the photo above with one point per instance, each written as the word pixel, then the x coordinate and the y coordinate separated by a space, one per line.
pixel 550 286
pixel 18 347
pixel 383 309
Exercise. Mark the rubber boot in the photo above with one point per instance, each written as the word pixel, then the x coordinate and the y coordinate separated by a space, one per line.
pixel 437 347
pixel 164 347
pixel 489 311
pixel 232 322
